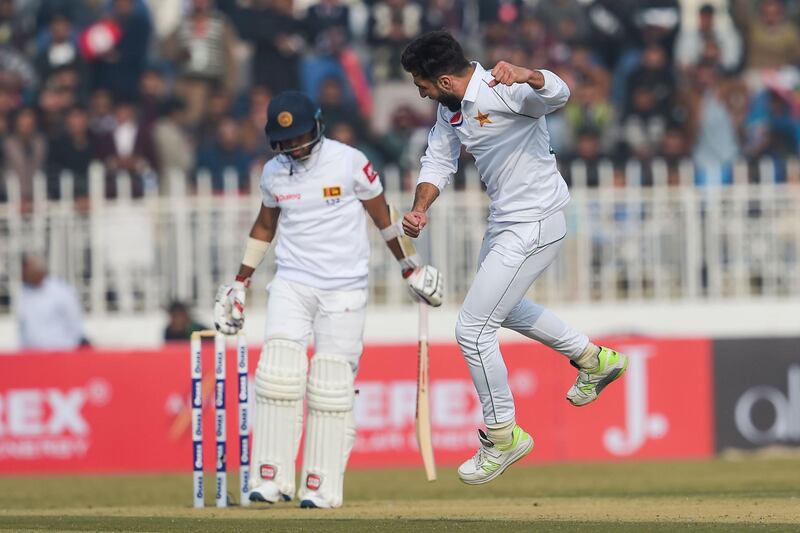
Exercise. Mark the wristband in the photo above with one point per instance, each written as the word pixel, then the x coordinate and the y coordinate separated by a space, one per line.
pixel 392 232
pixel 254 252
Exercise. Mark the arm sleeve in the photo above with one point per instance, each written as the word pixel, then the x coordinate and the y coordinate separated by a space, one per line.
pixel 366 182
pixel 267 198
pixel 440 161
pixel 538 102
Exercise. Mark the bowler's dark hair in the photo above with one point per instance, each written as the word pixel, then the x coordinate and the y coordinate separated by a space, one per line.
pixel 433 54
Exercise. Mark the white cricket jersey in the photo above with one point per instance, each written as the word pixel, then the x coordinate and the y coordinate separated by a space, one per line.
pixel 504 128
pixel 322 228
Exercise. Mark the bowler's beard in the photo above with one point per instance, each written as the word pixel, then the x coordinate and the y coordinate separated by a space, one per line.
pixel 449 100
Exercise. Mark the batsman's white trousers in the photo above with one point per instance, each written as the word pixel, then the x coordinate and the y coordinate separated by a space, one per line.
pixel 512 256
pixel 335 318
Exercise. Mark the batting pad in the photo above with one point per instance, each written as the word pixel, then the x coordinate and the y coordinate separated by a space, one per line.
pixel 331 429
pixel 278 422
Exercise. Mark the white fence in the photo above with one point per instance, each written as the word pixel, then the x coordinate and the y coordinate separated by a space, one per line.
pixel 626 242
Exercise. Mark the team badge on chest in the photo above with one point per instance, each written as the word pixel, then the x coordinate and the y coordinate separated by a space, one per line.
pixel 332 195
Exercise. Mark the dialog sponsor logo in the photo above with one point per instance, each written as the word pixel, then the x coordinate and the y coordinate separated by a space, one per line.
pixel 785 404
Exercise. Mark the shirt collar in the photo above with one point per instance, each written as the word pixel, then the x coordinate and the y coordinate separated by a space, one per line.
pixel 475 82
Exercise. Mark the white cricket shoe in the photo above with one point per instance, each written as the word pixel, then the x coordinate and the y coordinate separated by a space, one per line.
pixel 313 500
pixel 491 460
pixel 268 492
pixel 591 382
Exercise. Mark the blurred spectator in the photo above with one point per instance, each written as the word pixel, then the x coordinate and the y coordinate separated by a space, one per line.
pixel 565 18
pixel 773 128
pixel 24 152
pixel 336 110
pixel 254 141
pixel 13 30
pixel 444 15
pixel 58 49
pixel 716 146
pixel 48 311
pixel 101 112
pixel 654 77
pixel 392 25
pixel 180 324
pixel 153 92
pixel 405 142
pixel 610 28
pixel 692 44
pixel 128 148
pixel 203 45
pixel 71 152
pixel 588 152
pixel 174 149
pixel 771 39
pixel 219 107
pixel 120 69
pixel 328 25
pixel 279 41
pixel 225 153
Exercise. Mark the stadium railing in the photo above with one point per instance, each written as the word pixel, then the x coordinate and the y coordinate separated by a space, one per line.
pixel 670 240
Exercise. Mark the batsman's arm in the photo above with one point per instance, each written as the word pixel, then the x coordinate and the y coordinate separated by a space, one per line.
pixel 258 242
pixel 379 212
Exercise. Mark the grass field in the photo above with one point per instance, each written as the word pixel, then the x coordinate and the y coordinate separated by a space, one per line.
pixel 721 495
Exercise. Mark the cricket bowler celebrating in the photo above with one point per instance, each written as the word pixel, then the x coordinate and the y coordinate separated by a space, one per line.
pixel 499 116
pixel 315 191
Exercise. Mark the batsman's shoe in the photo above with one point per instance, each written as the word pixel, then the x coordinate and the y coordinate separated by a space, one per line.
pixel 268 492
pixel 312 500
pixel 591 382
pixel 491 460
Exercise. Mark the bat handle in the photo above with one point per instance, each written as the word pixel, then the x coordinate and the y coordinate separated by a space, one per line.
pixel 423 321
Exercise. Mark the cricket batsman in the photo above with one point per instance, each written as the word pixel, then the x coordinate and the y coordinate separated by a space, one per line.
pixel 317 193
pixel 499 117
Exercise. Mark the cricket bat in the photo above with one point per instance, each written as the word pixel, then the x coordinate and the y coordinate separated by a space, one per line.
pixel 423 416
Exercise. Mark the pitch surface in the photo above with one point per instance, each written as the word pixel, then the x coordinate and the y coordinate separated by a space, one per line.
pixel 720 495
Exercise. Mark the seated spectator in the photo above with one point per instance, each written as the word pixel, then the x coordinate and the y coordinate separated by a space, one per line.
pixel 225 153
pixel 773 129
pixel 771 38
pixel 588 151
pixel 565 18
pixel 203 46
pixel 25 152
pixel 49 311
pixel 174 149
pixel 120 69
pixel 392 25
pixel 328 22
pixel 252 125
pixel 444 15
pixel 336 109
pixel 279 40
pixel 642 129
pixel 692 43
pixel 71 152
pixel 153 93
pixel 129 148
pixel 181 324
pixel 59 49
pixel 654 76
pixel 219 107
pixel 101 113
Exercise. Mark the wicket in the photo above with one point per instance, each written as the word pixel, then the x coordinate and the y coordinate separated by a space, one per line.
pixel 219 418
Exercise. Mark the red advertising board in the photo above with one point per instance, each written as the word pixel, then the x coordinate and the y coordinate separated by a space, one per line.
pixel 93 411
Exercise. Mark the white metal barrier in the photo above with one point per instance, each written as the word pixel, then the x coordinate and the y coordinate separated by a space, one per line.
pixel 665 242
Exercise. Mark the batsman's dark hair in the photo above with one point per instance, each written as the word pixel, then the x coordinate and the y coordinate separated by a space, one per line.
pixel 434 54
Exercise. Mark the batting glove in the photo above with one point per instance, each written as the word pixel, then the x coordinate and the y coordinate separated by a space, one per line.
pixel 426 284
pixel 229 307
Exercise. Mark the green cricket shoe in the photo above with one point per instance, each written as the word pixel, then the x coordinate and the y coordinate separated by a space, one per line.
pixel 491 460
pixel 590 383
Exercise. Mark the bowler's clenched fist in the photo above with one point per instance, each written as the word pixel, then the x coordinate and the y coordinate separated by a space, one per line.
pixel 413 223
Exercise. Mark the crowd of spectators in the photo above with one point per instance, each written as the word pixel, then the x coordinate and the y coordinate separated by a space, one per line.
pixel 163 88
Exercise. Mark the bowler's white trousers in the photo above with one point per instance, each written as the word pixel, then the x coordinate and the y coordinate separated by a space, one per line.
pixel 512 256
pixel 336 318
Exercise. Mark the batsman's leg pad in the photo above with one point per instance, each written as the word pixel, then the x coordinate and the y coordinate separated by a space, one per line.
pixel 278 422
pixel 331 429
